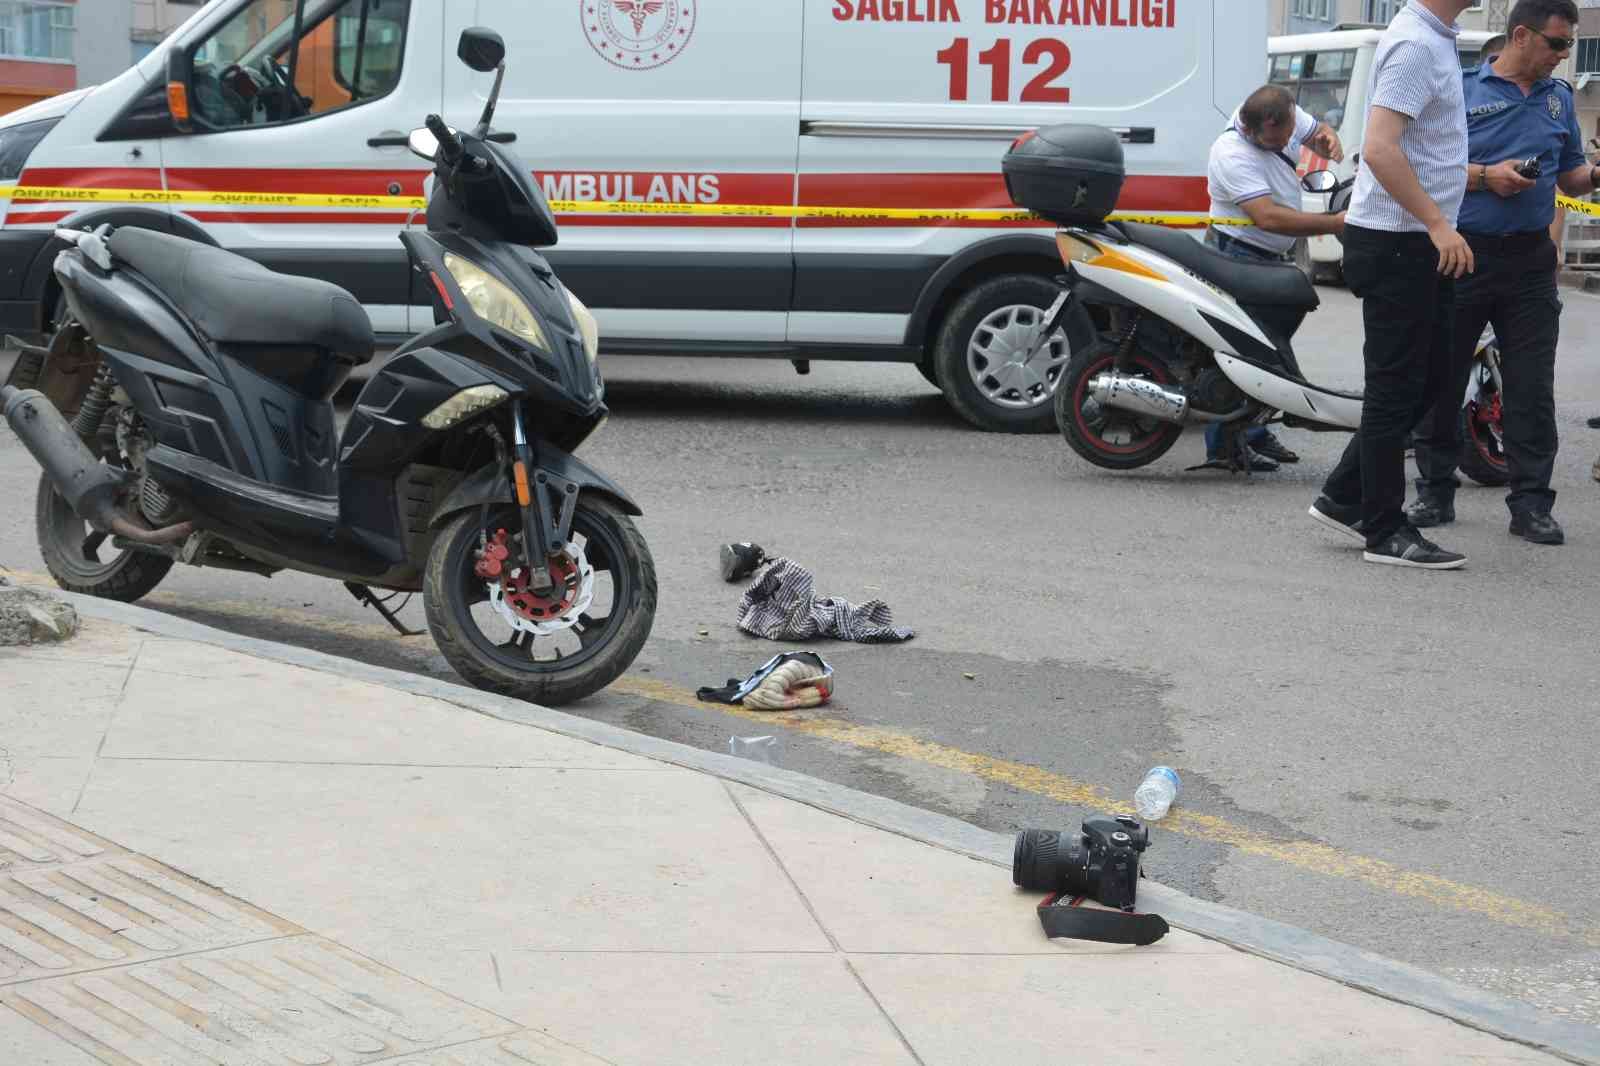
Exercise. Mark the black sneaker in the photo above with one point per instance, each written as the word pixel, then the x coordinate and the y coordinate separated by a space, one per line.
pixel 1538 527
pixel 1406 547
pixel 1426 513
pixel 1273 448
pixel 1344 518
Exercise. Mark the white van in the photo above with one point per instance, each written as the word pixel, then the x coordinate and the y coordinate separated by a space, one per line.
pixel 1331 77
pixel 786 105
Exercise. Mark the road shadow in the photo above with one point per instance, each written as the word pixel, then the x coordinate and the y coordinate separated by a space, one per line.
pixel 643 399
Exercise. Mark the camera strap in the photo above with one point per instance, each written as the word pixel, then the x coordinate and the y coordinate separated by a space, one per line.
pixel 1062 916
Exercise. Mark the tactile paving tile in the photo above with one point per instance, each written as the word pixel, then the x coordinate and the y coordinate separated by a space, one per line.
pixel 31 839
pixel 525 1049
pixel 59 916
pixel 300 1001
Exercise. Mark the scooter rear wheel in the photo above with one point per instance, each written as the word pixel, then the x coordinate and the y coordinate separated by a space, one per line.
pixel 80 560
pixel 1110 438
pixel 546 654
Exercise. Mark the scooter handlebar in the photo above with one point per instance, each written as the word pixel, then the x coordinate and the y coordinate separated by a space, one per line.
pixel 449 143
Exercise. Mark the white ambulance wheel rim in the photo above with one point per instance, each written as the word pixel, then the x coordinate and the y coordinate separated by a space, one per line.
pixel 999 363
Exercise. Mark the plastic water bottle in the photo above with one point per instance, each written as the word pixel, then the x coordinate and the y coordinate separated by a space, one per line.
pixel 1156 793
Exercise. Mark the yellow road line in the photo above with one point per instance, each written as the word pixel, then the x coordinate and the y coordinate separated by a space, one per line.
pixel 1306 855
pixel 1310 856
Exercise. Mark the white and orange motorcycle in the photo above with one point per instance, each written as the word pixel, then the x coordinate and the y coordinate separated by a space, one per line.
pixel 1194 336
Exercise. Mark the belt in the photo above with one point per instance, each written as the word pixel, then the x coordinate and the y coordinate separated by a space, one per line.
pixel 1525 241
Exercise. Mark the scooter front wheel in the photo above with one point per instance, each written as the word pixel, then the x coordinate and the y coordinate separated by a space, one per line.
pixel 549 646
pixel 1106 436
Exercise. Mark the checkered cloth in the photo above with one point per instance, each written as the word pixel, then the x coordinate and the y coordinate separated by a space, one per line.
pixel 782 606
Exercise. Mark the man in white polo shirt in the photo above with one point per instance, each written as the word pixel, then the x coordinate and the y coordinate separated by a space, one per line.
pixel 1252 174
pixel 1402 256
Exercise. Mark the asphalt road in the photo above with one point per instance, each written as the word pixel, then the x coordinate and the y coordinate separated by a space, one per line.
pixel 1401 760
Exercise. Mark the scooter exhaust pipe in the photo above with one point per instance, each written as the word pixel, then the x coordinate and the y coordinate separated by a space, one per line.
pixel 1141 396
pixel 89 486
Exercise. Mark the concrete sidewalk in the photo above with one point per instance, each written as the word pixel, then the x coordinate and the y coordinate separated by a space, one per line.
pixel 218 851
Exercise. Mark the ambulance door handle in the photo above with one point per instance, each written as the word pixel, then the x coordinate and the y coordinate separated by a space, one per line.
pixel 389 139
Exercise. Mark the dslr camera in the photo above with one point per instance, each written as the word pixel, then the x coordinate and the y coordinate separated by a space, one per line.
pixel 1101 862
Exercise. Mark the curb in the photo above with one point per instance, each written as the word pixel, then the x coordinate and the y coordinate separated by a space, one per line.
pixel 1303 950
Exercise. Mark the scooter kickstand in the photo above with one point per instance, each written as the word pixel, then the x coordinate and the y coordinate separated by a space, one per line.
pixel 367 599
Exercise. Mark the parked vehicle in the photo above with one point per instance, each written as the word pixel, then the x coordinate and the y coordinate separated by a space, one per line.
pixel 748 117
pixel 1196 336
pixel 199 386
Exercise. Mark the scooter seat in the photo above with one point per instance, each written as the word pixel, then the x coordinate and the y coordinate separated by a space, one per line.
pixel 236 300
pixel 1261 284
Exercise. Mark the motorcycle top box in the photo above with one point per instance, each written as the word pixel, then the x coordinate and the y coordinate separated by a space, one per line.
pixel 1070 174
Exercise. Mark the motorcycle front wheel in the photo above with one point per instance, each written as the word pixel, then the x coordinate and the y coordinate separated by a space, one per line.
pixel 1483 447
pixel 553 648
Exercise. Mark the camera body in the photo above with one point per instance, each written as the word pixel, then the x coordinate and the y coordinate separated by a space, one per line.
pixel 1530 168
pixel 1101 862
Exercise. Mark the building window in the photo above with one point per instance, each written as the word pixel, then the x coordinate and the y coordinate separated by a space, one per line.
pixel 1587 59
pixel 1381 11
pixel 1314 9
pixel 36 30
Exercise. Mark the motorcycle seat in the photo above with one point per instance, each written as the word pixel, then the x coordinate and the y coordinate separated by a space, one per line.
pixel 236 300
pixel 1262 284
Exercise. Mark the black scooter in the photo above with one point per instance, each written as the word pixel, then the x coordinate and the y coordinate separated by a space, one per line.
pixel 184 414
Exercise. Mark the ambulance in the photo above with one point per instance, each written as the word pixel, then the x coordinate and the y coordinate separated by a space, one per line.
pixel 1330 75
pixel 794 179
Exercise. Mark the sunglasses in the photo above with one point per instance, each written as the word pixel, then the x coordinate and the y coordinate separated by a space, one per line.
pixel 1559 44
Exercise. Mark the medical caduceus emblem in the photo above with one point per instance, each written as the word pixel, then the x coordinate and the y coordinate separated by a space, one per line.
pixel 638 34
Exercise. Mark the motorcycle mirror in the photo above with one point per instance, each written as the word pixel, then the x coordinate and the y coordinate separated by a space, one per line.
pixel 422 142
pixel 481 49
pixel 1319 181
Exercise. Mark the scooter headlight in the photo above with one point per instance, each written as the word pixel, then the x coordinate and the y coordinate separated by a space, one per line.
pixel 464 405
pixel 587 326
pixel 495 302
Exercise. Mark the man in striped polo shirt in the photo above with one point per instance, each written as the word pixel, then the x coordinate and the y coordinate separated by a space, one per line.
pixel 1402 255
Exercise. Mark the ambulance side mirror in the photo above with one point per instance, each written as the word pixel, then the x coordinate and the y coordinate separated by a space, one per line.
pixel 1319 181
pixel 422 142
pixel 481 49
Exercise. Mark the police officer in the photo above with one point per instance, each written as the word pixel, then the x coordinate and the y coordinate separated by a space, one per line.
pixel 1515 111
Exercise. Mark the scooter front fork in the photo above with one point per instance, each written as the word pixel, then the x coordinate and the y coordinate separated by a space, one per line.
pixel 547 503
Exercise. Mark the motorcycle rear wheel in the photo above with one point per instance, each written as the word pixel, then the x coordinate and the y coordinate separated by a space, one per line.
pixel 1110 438
pixel 555 668
pixel 80 560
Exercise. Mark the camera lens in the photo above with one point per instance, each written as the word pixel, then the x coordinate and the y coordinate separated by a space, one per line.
pixel 1045 861
pixel 1033 863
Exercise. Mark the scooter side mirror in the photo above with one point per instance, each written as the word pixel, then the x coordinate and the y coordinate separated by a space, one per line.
pixel 1319 181
pixel 422 142
pixel 481 49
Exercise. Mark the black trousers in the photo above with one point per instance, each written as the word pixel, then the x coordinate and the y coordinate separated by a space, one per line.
pixel 1514 287
pixel 1408 311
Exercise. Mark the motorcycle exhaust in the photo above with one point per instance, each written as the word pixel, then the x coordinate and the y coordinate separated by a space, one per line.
pixel 89 486
pixel 1140 396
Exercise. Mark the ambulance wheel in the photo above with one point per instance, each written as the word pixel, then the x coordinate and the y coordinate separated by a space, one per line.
pixel 982 358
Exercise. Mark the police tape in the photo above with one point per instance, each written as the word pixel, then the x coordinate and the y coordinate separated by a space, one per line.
pixel 71 194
